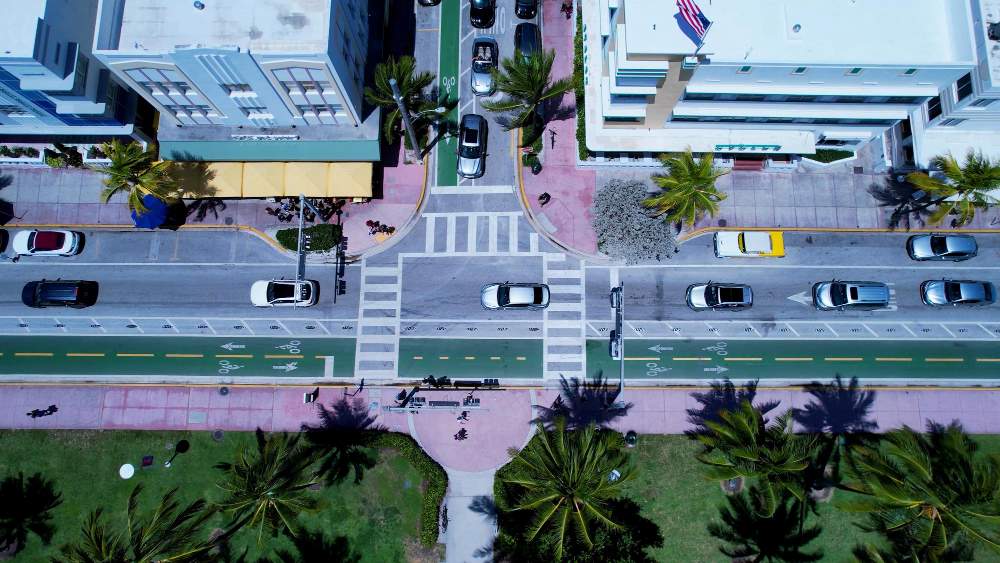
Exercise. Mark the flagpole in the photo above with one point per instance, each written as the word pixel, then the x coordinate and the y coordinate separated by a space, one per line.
pixel 702 42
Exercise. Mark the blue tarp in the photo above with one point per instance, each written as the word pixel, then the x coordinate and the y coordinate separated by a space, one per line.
pixel 155 215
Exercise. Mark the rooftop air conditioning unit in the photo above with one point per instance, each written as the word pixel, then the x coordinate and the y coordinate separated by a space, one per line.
pixel 994 31
pixel 690 63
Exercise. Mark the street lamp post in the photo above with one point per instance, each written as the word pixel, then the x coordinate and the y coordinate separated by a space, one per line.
pixel 300 271
pixel 617 344
pixel 405 114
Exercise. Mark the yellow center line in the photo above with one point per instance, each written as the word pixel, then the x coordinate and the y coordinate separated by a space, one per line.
pixel 944 359
pixel 234 355
pixel 521 358
pixel 470 357
pixel 731 359
pixel 283 356
pixel 494 357
pixel 893 359
pixel 130 355
pixel 988 359
pixel 185 355
pixel 442 357
pixel 844 359
pixel 85 354
pixel 795 359
pixel 34 354
pixel 685 359
pixel 418 357
pixel 642 359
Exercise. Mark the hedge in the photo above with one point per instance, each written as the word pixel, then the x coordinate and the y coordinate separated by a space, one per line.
pixel 829 155
pixel 433 474
pixel 324 237
pixel 581 116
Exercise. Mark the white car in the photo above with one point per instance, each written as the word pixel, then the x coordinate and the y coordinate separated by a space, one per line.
pixel 749 244
pixel 47 243
pixel 532 296
pixel 284 293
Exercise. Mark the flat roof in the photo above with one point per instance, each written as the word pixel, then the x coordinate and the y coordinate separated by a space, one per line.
pixel 287 26
pixel 18 26
pixel 918 32
pixel 990 10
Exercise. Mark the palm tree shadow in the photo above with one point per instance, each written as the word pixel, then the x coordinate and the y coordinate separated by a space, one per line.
pixel 485 505
pixel 6 180
pixel 6 207
pixel 582 403
pixel 341 439
pixel 554 109
pixel 837 409
pixel 722 396
pixel 906 212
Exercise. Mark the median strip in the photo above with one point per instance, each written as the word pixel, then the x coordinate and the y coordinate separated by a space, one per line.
pixel 893 359
pixel 283 356
pixel 131 355
pixel 800 359
pixel 85 354
pixel 944 359
pixel 185 355
pixel 844 359
pixel 34 354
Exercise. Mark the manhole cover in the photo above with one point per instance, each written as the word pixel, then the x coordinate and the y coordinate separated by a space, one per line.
pixel 223 391
pixel 218 435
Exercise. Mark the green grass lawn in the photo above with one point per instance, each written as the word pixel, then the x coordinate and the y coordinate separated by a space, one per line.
pixel 672 493
pixel 380 517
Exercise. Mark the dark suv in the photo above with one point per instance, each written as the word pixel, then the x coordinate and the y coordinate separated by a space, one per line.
pixel 527 40
pixel 482 13
pixel 59 293
pixel 525 9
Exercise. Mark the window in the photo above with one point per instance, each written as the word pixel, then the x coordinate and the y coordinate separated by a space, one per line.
pixel 901 100
pixel 982 102
pixel 800 99
pixel 951 122
pixel 169 88
pixel 236 88
pixel 963 88
pixel 313 94
pixel 799 70
pixel 856 71
pixel 933 108
pixel 909 72
pixel 744 70
pixel 58 52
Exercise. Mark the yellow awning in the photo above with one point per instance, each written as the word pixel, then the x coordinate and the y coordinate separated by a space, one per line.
pixel 226 179
pixel 275 179
pixel 263 179
pixel 349 179
pixel 307 178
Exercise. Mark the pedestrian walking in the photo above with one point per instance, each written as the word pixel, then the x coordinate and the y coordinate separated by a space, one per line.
pixel 464 417
pixel 544 198
pixel 552 138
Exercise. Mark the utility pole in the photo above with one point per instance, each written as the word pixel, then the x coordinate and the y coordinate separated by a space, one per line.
pixel 616 346
pixel 300 272
pixel 405 114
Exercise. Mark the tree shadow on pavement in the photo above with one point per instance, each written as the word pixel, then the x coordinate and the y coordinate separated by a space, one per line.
pixel 582 403
pixel 6 207
pixel 722 396
pixel 341 439
pixel 485 505
pixel 907 212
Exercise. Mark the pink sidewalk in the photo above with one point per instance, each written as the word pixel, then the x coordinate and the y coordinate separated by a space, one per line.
pixel 502 422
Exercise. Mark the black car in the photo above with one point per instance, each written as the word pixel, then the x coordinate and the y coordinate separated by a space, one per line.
pixel 483 13
pixel 525 9
pixel 59 293
pixel 3 240
pixel 527 40
pixel 428 2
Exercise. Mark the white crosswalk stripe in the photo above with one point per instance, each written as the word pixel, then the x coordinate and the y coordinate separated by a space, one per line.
pixel 507 233
pixel 375 353
pixel 564 355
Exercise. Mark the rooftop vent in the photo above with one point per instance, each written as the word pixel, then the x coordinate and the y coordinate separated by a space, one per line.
pixel 199 5
pixel 994 31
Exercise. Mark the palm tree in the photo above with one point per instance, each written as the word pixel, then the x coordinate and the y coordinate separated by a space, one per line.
pixel 169 534
pixel 25 508
pixel 341 438
pixel 527 86
pixel 927 491
pixel 742 444
pixel 582 403
pixel 688 188
pixel 411 88
pixel 266 487
pixel 753 537
pixel 965 189
pixel 565 479
pixel 135 170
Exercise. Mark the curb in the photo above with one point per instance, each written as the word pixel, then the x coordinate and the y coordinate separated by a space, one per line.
pixel 411 221
pixel 705 230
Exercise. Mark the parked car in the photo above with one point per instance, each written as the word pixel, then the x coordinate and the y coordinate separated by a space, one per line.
pixel 937 293
pixel 482 13
pixel 525 9
pixel 527 40
pixel 428 2
pixel 472 134
pixel 284 293
pixel 508 295
pixel 59 293
pixel 729 244
pixel 718 296
pixel 47 243
pixel 485 53
pixel 942 247
pixel 844 295
pixel 3 240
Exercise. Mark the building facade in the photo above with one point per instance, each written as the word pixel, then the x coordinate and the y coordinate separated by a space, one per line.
pixel 247 79
pixel 783 76
pixel 51 87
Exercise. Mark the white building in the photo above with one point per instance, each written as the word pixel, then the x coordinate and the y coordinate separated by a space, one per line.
pixel 51 88
pixel 246 79
pixel 791 76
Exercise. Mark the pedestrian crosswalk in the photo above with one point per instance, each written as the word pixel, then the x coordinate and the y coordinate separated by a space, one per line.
pixel 377 347
pixel 564 352
pixel 478 234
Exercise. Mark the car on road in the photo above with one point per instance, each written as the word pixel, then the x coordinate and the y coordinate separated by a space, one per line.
pixel 428 2
pixel 749 244
pixel 59 293
pixel 719 296
pixel 482 13
pixel 3 240
pixel 954 248
pixel 850 295
pixel 938 293
pixel 47 243
pixel 527 40
pixel 525 9
pixel 472 134
pixel 284 293
pixel 485 53
pixel 531 296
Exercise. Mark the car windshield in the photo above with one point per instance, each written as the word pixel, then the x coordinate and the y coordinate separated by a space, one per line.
pixel 953 292
pixel 838 294
pixel 538 296
pixel 939 245
pixel 46 240
pixel 276 291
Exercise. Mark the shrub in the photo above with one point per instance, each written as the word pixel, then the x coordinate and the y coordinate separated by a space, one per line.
pixel 325 236
pixel 625 229
pixel 830 155
pixel 18 152
pixel 433 474
pixel 54 161
pixel 581 118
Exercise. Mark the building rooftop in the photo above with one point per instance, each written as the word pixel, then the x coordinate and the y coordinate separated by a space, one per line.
pixel 990 10
pixel 18 26
pixel 257 25
pixel 924 32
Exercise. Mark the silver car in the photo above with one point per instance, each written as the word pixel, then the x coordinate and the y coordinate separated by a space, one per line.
pixel 843 295
pixel 937 293
pixel 484 61
pixel 508 295
pixel 954 248
pixel 472 135
pixel 719 296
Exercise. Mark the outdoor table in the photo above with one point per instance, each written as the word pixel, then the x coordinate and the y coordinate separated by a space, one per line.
pixel 126 471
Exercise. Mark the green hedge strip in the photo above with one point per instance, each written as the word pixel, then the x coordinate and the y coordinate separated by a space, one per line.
pixel 324 237
pixel 433 474
pixel 581 117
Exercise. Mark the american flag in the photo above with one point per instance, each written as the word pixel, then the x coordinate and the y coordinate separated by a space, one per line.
pixel 694 17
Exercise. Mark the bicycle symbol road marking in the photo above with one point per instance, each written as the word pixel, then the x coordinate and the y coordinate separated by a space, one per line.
pixel 719 348
pixel 225 366
pixel 292 347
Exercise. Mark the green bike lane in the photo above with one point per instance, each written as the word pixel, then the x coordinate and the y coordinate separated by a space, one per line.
pixel 215 357
pixel 470 358
pixel 448 59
